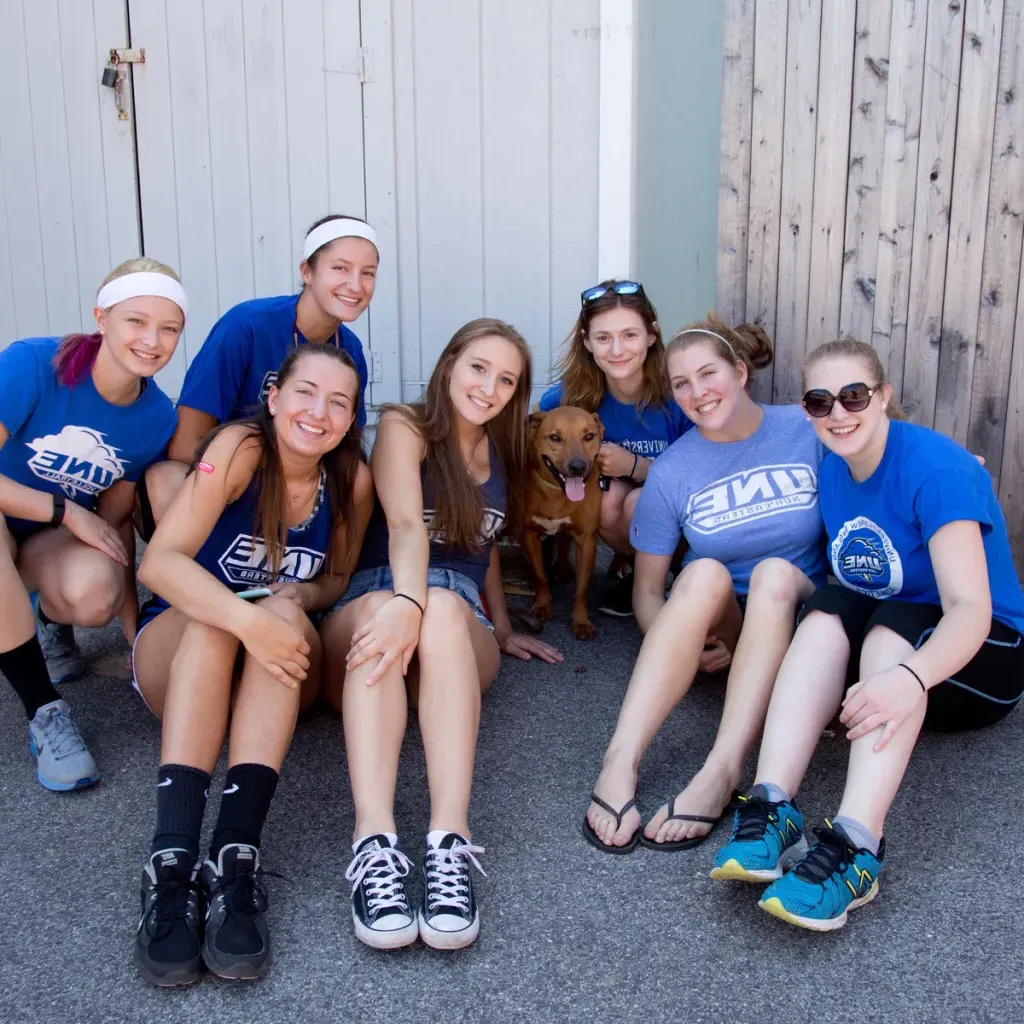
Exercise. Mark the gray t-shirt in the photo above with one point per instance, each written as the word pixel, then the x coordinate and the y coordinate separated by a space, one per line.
pixel 738 502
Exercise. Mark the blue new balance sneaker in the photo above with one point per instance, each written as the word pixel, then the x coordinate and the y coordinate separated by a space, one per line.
pixel 767 838
pixel 835 877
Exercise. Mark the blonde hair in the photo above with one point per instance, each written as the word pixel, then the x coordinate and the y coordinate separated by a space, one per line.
pixel 748 344
pixel 140 265
pixel 849 348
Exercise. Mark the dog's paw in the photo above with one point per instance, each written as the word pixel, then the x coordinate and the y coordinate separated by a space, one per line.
pixel 584 630
pixel 541 612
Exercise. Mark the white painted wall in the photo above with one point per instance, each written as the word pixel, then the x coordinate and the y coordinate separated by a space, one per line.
pixel 473 146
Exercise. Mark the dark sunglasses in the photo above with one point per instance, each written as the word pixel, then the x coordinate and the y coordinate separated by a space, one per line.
pixel 622 288
pixel 853 398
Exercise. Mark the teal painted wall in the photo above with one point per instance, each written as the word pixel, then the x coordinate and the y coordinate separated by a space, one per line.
pixel 679 50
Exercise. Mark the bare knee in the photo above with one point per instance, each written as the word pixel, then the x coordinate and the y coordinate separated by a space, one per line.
pixel 444 621
pixel 163 481
pixel 881 649
pixel 704 578
pixel 94 597
pixel 289 611
pixel 776 580
pixel 612 510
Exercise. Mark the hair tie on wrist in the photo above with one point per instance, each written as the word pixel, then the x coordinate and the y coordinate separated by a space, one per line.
pixel 632 472
pixel 920 681
pixel 414 601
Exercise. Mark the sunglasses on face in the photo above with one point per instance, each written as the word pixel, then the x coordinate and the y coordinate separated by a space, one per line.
pixel 622 288
pixel 853 398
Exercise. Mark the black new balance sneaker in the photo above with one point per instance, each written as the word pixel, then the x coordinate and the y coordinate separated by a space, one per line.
pixel 237 943
pixel 381 913
pixel 449 918
pixel 169 939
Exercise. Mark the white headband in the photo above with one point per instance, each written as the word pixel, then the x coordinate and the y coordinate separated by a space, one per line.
pixel 142 283
pixel 339 227
pixel 700 330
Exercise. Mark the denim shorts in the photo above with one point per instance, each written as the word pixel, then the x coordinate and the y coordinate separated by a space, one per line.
pixel 366 581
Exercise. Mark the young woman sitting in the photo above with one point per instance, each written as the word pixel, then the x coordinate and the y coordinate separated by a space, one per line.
pixel 926 624
pixel 614 365
pixel 742 490
pixel 425 610
pixel 262 534
pixel 80 420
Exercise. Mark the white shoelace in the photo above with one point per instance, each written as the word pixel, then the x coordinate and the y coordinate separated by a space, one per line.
pixel 447 875
pixel 386 868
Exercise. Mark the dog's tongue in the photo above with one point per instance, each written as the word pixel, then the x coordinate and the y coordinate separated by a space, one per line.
pixel 574 488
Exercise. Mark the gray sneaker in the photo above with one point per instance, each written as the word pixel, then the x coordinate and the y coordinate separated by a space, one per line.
pixel 63 658
pixel 62 760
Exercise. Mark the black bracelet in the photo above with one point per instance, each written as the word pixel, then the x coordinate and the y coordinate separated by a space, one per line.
pixel 924 689
pixel 59 508
pixel 414 601
pixel 632 472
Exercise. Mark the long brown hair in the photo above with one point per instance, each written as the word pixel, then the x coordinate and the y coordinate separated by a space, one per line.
pixel 340 464
pixel 458 508
pixel 583 383
pixel 748 343
pixel 848 348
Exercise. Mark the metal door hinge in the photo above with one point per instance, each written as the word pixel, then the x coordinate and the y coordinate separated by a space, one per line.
pixel 352 62
pixel 376 368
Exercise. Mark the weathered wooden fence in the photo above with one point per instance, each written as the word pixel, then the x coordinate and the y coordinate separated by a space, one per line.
pixel 872 186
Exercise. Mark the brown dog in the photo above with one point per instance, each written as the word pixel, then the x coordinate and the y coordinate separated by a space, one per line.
pixel 563 496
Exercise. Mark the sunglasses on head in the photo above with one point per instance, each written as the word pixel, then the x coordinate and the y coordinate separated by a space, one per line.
pixel 853 398
pixel 621 288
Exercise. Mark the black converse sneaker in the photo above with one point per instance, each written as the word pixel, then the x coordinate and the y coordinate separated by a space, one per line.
pixel 449 918
pixel 169 938
pixel 237 943
pixel 381 913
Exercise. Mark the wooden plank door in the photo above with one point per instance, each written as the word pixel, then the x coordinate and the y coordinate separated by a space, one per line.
pixel 68 210
pixel 250 128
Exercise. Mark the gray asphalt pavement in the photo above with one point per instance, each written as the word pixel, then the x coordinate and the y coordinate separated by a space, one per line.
pixel 568 934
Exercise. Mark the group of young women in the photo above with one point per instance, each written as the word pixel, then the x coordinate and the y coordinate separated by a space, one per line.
pixel 283 567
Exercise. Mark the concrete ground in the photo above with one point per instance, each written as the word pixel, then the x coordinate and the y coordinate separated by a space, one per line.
pixel 568 933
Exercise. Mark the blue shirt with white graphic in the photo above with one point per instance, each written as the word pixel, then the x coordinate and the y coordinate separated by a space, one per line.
pixel 879 529
pixel 238 558
pixel 647 435
pixel 232 373
pixel 738 502
pixel 72 440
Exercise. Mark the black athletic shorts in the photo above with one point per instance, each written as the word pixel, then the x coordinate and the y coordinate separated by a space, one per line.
pixel 985 690
pixel 144 521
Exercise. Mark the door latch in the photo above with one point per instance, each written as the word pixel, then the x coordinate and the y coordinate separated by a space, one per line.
pixel 115 73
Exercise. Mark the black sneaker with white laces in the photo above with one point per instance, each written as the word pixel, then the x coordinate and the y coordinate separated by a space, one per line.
pixel 381 913
pixel 168 943
pixel 449 918
pixel 237 943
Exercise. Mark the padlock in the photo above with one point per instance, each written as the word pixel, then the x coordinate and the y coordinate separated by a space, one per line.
pixel 109 76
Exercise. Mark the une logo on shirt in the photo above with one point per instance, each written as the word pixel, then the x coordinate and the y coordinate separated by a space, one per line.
pixel 753 494
pixel 490 527
pixel 864 559
pixel 245 561
pixel 78 459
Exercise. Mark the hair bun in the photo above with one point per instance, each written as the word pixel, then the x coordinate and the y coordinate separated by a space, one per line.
pixel 756 344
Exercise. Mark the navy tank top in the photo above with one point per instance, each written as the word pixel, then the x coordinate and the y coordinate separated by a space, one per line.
pixel 473 564
pixel 239 560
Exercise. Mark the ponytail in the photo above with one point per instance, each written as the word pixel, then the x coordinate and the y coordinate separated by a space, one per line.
pixel 848 348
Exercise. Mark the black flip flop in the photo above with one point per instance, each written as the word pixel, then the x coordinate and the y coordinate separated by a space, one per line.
pixel 591 836
pixel 678 845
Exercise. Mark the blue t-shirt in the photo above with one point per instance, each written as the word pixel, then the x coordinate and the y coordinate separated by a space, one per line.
pixel 647 435
pixel 738 502
pixel 72 440
pixel 879 530
pixel 238 559
pixel 232 373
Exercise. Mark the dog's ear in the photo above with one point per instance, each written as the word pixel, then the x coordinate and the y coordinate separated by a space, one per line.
pixel 535 420
pixel 599 425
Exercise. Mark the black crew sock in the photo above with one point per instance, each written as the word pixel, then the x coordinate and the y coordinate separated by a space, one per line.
pixel 181 794
pixel 248 790
pixel 25 669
